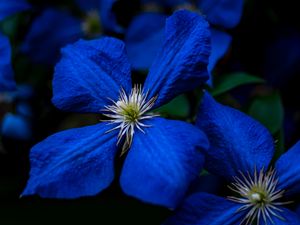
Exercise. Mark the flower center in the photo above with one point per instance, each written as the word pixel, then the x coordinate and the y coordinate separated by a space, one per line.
pixel 128 113
pixel 259 196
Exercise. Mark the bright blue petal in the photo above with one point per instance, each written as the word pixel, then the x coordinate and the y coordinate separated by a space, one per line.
pixel 220 42
pixel 49 32
pixel 73 163
pixel 288 170
pixel 238 142
pixel 181 64
pixel 144 38
pixel 9 7
pixel 87 5
pixel 94 71
pixel 7 82
pixel 225 13
pixel 16 127
pixel 203 209
pixel 162 162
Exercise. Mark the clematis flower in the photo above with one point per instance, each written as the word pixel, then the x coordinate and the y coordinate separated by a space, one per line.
pixel 54 28
pixel 240 152
pixel 146 31
pixel 163 155
pixel 8 8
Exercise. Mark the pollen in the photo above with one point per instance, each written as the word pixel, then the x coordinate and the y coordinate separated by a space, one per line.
pixel 258 196
pixel 129 114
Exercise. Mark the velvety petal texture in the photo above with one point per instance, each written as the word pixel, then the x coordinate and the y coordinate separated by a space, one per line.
pixel 162 162
pixel 225 13
pixel 94 71
pixel 203 209
pixel 181 64
pixel 7 82
pixel 9 7
pixel 144 37
pixel 108 17
pixel 237 142
pixel 73 163
pixel 220 42
pixel 49 32
pixel 288 170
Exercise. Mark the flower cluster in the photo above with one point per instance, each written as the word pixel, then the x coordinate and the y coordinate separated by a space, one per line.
pixel 141 109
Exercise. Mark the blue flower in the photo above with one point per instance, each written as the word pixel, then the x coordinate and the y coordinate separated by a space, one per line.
pixel 240 152
pixel 49 32
pixel 162 156
pixel 8 8
pixel 53 29
pixel 7 82
pixel 146 32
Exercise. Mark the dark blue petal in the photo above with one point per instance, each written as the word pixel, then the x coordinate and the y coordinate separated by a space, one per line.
pixel 16 127
pixel 288 170
pixel 162 162
pixel 225 13
pixel 220 42
pixel 87 5
pixel 89 73
pixel 238 142
pixel 181 64
pixel 144 38
pixel 203 209
pixel 7 82
pixel 49 32
pixel 290 217
pixel 73 163
pixel 108 17
pixel 9 7
pixel 166 3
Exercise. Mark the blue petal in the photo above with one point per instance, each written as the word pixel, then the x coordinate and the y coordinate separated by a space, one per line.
pixel 16 127
pixel 9 7
pixel 220 42
pixel 49 32
pixel 7 82
pixel 166 3
pixel 203 209
pixel 73 163
pixel 144 38
pixel 108 18
pixel 238 142
pixel 225 13
pixel 94 72
pixel 290 217
pixel 288 170
pixel 181 64
pixel 163 162
pixel 87 5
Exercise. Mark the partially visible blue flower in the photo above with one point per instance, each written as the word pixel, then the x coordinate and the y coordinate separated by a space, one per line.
pixel 241 150
pixel 9 7
pixel 49 32
pixel 146 32
pixel 163 155
pixel 18 125
pixel 7 82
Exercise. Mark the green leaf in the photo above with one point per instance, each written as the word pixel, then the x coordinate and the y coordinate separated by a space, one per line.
pixel 269 111
pixel 178 107
pixel 230 81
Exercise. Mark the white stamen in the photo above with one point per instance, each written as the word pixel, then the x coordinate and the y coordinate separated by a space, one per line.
pixel 128 112
pixel 259 196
